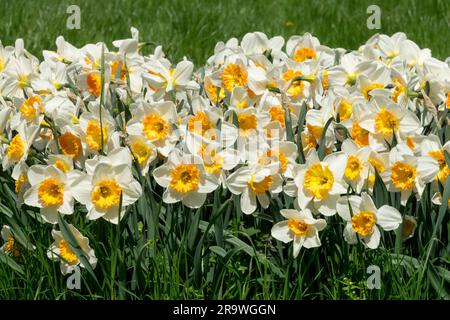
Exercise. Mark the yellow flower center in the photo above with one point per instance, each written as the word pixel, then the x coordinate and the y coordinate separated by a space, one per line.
pixel 234 75
pixel 94 135
pixel 2 64
pixel 94 84
pixel 447 101
pixel 298 227
pixel 345 110
pixel 142 151
pixel 66 253
pixel 403 175
pixel 61 165
pixel 399 89
pixel 360 135
pixel 363 222
pixel 353 168
pixel 200 123
pixel 23 81
pixel 106 194
pixel 302 54
pixel 247 123
pixel 19 182
pixel 16 148
pixel 70 144
pixel 30 107
pixel 155 127
pixel 123 71
pixel 11 247
pixel 325 80
pixel 277 114
pixel 211 160
pixel 185 178
pixel 444 170
pixel 51 192
pixel 386 122
pixel 366 91
pixel 261 186
pixel 410 142
pixel 212 90
pixel 296 86
pixel 351 79
pixel 242 104
pixel 318 180
pixel 377 164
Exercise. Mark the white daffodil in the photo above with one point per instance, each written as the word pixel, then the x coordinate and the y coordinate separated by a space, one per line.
pixel 11 247
pixel 254 184
pixel 61 161
pixel 217 158
pixel 162 78
pixel 363 219
pixel 185 179
pixel 431 147
pixel 320 183
pixel 143 151
pixel 61 251
pixel 17 150
pixel 406 173
pixel 300 227
pixel 50 191
pixel 385 120
pixel 98 128
pixel 357 169
pixel 156 122
pixel 107 190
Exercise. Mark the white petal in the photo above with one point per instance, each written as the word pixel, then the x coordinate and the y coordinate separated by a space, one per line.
pixel 373 241
pixel 280 231
pixel 248 202
pixel 388 218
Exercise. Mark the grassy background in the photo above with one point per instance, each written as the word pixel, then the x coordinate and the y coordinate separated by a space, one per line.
pixel 168 254
pixel 192 27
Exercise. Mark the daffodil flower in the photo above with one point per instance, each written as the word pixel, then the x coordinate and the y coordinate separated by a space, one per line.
pixel 300 227
pixel 254 184
pixel 185 179
pixel 363 219
pixel 61 251
pixel 50 191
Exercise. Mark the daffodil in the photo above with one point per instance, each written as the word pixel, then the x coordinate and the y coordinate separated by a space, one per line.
pixel 255 184
pixel 363 219
pixel 106 191
pixel 19 146
pixel 319 184
pixel 385 120
pixel 156 122
pixel 407 174
pixel 50 191
pixel 300 227
pixel 11 246
pixel 61 251
pixel 185 179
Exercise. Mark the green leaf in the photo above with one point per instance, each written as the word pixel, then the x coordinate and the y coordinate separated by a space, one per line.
pixel 75 247
pixel 300 123
pixel 321 150
pixel 10 262
pixel 218 250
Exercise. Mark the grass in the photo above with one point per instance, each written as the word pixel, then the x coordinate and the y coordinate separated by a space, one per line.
pixel 170 252
pixel 192 28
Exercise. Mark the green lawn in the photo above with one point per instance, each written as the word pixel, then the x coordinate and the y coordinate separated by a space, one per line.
pixel 192 28
pixel 169 253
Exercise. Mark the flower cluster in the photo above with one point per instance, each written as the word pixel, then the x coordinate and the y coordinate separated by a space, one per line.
pixel 264 118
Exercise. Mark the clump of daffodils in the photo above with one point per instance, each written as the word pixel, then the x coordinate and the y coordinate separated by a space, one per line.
pixel 84 130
